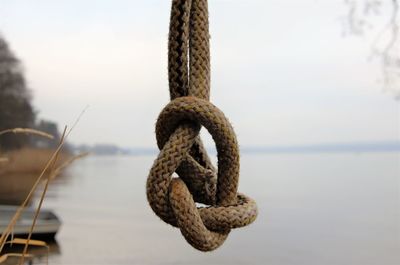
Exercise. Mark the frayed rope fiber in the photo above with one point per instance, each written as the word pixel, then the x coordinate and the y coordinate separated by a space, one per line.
pixel 181 149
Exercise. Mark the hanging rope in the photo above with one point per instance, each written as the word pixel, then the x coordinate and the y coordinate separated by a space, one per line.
pixel 181 149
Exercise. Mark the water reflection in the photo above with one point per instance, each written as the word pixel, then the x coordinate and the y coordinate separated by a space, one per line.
pixel 314 209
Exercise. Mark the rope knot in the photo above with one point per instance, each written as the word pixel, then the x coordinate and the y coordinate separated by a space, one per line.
pixel 174 199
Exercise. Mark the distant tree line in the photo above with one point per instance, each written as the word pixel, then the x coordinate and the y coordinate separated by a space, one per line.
pixel 16 108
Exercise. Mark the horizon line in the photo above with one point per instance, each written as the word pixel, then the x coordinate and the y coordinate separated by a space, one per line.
pixel 338 147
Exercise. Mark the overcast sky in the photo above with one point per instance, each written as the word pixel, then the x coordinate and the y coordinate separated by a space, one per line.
pixel 281 70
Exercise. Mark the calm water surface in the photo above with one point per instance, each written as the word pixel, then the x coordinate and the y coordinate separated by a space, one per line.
pixel 314 209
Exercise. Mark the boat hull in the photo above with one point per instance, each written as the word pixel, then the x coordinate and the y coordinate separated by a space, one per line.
pixel 47 223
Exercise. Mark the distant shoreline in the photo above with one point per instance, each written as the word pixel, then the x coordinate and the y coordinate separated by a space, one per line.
pixel 360 147
pixel 370 147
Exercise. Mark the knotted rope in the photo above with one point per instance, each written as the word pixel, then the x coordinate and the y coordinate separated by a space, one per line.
pixel 181 149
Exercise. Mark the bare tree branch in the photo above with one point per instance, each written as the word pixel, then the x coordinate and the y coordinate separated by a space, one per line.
pixel 386 44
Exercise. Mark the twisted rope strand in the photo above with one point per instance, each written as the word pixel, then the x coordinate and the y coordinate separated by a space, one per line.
pixel 181 150
pixel 180 41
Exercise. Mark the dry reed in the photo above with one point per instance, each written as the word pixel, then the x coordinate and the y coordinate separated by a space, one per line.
pixel 4 257
pixel 6 233
pixel 28 131
pixel 40 243
pixel 41 199
pixel 31 242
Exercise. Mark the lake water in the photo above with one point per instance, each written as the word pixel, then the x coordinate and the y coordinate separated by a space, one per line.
pixel 322 209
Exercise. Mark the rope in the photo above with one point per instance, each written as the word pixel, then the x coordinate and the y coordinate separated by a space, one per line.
pixel 181 149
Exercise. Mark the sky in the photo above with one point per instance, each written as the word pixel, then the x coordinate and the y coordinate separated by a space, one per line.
pixel 282 71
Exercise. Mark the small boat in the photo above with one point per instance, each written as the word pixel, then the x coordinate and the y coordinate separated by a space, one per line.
pixel 47 223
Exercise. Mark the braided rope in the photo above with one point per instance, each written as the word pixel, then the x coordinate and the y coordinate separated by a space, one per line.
pixel 181 149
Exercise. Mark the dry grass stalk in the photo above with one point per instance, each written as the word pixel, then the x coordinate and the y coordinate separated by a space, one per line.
pixel 42 199
pixel 32 242
pixel 17 214
pixel 52 175
pixel 27 131
pixel 4 257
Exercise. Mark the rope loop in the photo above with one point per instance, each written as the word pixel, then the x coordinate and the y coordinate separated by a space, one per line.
pixel 174 199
